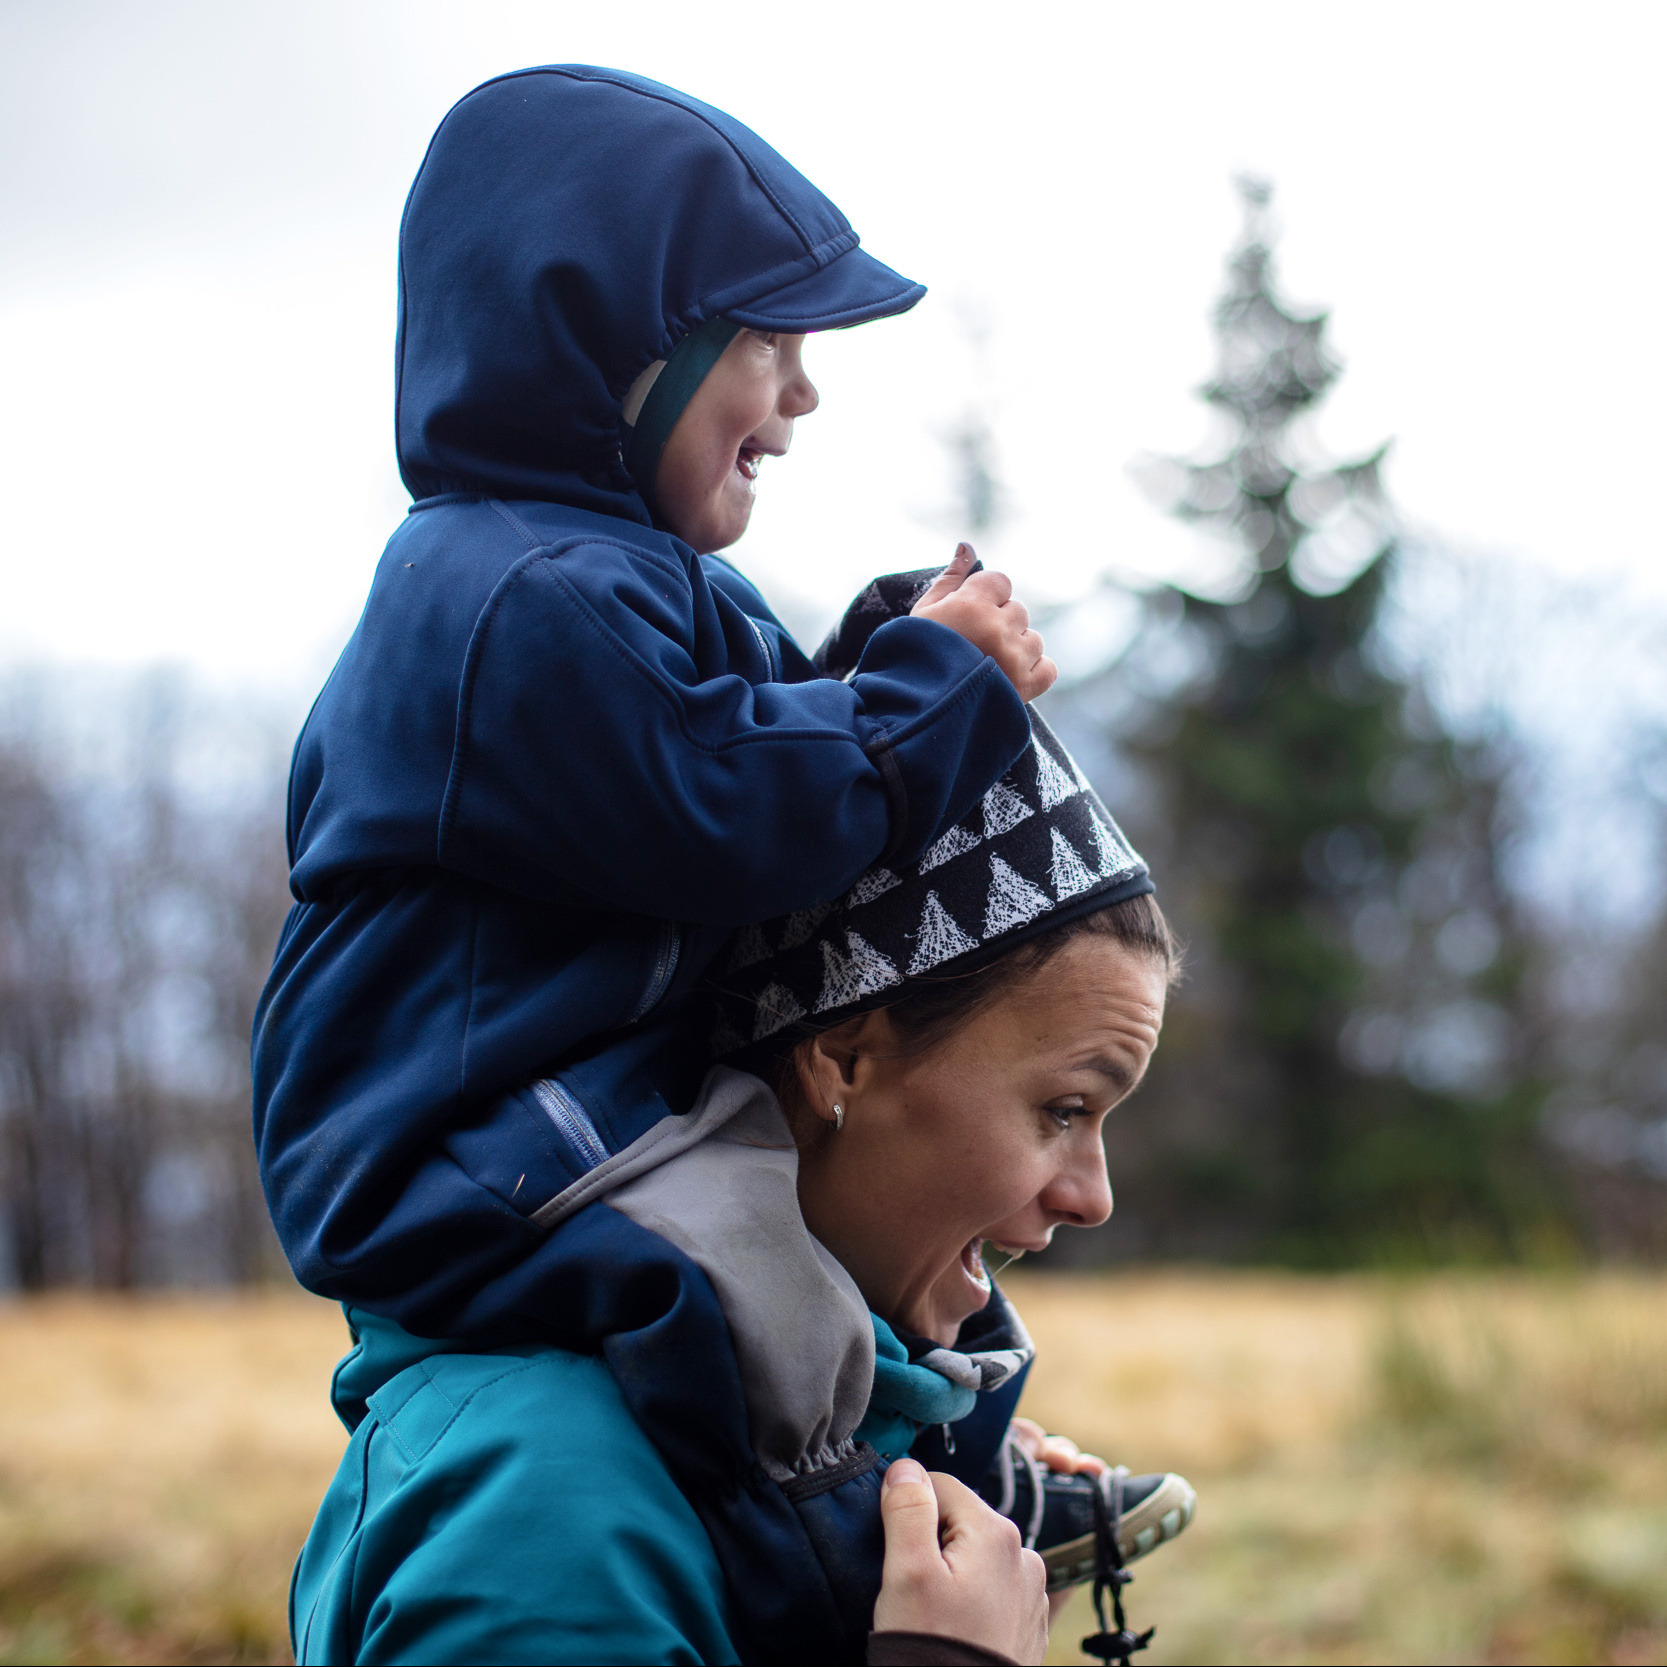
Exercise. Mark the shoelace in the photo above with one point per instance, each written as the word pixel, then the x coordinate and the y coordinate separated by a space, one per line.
pixel 1110 1575
pixel 1010 1487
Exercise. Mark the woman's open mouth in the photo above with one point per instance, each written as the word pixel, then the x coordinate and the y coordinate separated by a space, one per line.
pixel 972 1260
pixel 746 464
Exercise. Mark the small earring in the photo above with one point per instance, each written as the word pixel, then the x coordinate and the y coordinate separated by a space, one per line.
pixel 839 1118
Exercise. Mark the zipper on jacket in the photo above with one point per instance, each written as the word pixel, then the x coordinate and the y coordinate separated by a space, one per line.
pixel 665 964
pixel 571 1120
pixel 764 643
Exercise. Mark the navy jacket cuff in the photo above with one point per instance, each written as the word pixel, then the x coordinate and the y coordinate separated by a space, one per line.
pixel 937 758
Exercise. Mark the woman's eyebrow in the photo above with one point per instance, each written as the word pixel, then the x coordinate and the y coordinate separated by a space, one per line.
pixel 1119 1075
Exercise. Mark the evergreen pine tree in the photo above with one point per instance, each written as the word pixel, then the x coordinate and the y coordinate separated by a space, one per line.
pixel 1340 1074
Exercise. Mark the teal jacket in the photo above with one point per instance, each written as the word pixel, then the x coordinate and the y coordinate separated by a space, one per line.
pixel 506 1507
pixel 500 1507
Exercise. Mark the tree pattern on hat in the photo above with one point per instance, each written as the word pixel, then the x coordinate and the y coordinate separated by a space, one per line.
pixel 1038 849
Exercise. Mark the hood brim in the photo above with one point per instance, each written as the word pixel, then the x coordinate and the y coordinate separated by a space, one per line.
pixel 852 289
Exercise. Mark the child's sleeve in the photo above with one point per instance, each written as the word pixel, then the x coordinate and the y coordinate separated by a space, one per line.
pixel 599 748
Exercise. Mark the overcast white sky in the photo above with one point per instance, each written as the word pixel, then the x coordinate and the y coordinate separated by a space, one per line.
pixel 199 206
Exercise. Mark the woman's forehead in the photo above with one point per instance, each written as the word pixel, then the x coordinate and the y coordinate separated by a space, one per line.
pixel 1093 1004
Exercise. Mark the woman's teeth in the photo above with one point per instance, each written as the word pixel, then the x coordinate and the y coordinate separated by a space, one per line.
pixel 747 464
pixel 972 1259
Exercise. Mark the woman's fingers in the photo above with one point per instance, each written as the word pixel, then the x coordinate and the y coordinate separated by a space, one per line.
pixel 1060 1453
pixel 1029 1434
pixel 909 1516
pixel 964 1520
pixel 955 1568
pixel 1062 1456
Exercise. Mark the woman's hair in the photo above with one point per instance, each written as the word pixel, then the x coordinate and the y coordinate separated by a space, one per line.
pixel 931 1009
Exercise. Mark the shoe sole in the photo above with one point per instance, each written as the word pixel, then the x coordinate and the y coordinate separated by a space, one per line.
pixel 1157 1519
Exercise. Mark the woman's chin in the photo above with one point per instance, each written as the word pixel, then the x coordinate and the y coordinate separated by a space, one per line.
pixel 959 1294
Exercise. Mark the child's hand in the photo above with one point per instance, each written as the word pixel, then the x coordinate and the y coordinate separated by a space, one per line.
pixel 1057 1452
pixel 980 607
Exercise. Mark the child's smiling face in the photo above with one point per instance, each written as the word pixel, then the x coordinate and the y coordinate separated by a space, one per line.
pixel 742 413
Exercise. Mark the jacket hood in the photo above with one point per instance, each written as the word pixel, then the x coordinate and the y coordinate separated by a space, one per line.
pixel 569 226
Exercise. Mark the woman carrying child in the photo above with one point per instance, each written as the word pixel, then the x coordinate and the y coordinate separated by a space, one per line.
pixel 636 1338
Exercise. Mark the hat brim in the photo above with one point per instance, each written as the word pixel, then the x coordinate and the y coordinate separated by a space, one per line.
pixel 853 289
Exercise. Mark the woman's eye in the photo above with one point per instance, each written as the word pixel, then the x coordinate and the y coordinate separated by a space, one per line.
pixel 1063 1114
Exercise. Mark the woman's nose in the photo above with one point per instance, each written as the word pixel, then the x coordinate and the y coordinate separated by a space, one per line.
pixel 1080 1195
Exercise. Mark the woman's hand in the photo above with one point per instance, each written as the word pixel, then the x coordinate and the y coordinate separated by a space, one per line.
pixel 1057 1452
pixel 955 1568
pixel 980 607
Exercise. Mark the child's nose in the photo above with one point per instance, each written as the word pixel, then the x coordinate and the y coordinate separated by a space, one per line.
pixel 801 398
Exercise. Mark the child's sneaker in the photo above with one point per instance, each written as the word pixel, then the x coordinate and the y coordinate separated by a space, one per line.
pixel 1056 1512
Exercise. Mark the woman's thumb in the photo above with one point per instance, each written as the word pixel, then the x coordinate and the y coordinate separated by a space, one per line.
pixel 952 578
pixel 909 1514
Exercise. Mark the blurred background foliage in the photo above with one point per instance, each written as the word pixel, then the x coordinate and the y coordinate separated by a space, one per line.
pixel 142 886
pixel 1370 1059
pixel 1407 1034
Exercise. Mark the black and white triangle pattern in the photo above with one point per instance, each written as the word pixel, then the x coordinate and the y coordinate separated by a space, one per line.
pixel 1040 845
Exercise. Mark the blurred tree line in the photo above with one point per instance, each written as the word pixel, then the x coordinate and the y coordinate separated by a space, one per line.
pixel 1371 1057
pixel 142 884
pixel 1386 1047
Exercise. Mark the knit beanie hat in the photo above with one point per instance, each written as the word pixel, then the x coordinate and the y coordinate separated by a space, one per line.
pixel 1039 850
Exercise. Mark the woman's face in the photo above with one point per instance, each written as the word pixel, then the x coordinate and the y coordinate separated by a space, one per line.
pixel 742 413
pixel 993 1134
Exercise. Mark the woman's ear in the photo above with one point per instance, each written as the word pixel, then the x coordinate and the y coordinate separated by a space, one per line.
pixel 824 1064
pixel 834 1065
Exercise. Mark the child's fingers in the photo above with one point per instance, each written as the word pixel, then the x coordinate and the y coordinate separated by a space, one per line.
pixel 1038 680
pixel 951 579
pixel 990 586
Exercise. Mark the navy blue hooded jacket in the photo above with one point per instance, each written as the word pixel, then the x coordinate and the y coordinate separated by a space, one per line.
pixel 564 754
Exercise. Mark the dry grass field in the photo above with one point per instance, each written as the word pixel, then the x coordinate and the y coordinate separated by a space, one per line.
pixel 1452 1469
